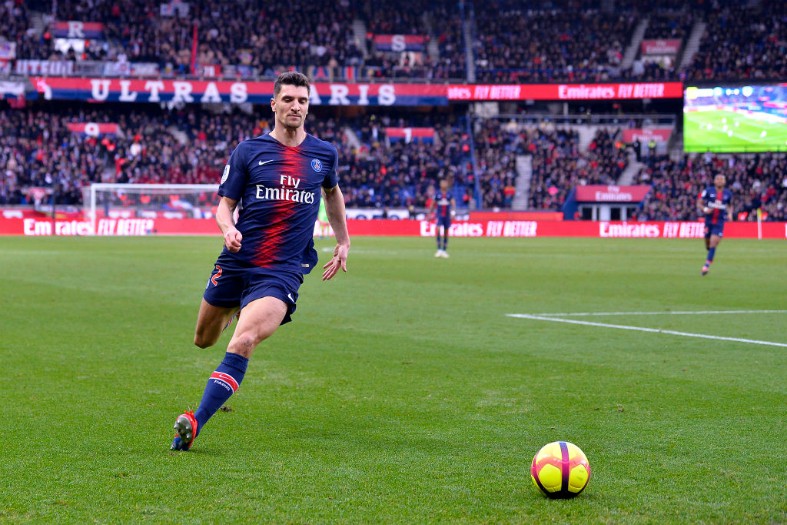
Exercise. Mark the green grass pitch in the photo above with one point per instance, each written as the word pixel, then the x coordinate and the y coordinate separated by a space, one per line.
pixel 727 131
pixel 403 392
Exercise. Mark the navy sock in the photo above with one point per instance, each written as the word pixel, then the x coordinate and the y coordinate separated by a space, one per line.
pixel 221 385
pixel 711 254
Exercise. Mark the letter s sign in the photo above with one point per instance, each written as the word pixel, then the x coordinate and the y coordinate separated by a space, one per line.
pixel 398 43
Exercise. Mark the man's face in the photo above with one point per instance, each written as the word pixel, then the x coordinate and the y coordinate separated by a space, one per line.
pixel 719 181
pixel 291 106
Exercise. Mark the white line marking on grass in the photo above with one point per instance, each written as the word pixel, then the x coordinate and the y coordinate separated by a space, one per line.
pixel 650 330
pixel 693 312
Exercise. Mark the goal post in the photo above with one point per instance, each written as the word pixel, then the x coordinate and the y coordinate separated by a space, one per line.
pixel 105 200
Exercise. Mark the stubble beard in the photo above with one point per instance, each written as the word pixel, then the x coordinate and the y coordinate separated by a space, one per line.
pixel 292 128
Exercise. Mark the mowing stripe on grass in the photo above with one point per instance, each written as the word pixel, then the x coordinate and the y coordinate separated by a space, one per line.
pixel 694 312
pixel 651 330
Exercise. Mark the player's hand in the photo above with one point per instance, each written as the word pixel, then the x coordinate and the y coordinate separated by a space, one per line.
pixel 232 240
pixel 706 210
pixel 339 260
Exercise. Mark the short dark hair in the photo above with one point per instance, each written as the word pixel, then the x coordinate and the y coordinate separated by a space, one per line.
pixel 291 78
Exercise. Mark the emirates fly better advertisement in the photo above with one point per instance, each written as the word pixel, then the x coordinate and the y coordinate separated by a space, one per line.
pixel 510 224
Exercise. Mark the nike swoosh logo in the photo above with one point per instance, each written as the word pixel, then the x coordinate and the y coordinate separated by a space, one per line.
pixel 265 162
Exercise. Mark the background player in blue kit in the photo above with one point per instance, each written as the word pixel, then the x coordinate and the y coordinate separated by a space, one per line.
pixel 275 182
pixel 443 205
pixel 715 202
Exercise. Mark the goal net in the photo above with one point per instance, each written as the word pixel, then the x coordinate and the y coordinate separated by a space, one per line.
pixel 148 201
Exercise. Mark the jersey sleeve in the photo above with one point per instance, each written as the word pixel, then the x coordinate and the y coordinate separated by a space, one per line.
pixel 332 177
pixel 235 175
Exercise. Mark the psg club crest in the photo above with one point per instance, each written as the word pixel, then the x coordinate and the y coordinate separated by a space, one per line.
pixel 317 165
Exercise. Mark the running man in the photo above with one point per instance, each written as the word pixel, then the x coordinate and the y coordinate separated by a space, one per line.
pixel 274 182
pixel 715 203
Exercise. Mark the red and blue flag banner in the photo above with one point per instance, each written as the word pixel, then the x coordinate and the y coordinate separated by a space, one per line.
pixel 12 89
pixel 93 129
pixel 78 29
pixel 349 73
pixel 318 73
pixel 204 91
pixel 408 135
pixel 399 43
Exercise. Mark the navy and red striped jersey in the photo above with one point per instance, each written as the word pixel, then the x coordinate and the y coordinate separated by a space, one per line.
pixel 717 203
pixel 443 203
pixel 278 189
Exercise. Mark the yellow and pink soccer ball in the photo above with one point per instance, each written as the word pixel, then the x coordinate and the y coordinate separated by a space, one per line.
pixel 560 470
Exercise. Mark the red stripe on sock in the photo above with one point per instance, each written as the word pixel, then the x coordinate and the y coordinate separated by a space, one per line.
pixel 226 378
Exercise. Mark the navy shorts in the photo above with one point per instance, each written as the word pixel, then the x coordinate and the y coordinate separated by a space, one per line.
pixel 714 229
pixel 232 285
pixel 445 222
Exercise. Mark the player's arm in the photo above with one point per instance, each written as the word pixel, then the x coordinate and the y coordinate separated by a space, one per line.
pixel 225 218
pixel 337 217
pixel 701 204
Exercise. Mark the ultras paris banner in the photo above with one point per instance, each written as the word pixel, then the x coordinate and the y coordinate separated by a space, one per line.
pixel 235 92
pixel 333 93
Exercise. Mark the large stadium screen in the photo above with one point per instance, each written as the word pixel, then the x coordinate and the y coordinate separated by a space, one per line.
pixel 732 119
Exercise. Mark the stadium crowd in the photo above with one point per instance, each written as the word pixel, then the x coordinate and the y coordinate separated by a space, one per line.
pixel 241 33
pixel 739 46
pixel 40 153
pixel 382 173
pixel 565 40
pixel 560 165
pixel 515 46
pixel 757 181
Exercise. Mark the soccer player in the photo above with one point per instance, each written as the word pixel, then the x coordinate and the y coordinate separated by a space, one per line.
pixel 274 182
pixel 444 205
pixel 715 203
